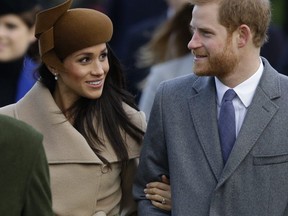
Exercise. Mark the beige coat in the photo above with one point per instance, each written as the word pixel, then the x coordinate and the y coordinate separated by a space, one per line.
pixel 81 184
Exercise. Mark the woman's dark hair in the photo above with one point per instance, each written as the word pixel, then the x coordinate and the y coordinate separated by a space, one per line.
pixel 107 111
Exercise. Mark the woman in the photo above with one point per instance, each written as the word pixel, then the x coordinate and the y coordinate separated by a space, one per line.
pixel 91 126
pixel 18 49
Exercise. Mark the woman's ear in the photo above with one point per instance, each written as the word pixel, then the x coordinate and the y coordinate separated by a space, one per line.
pixel 244 35
pixel 53 71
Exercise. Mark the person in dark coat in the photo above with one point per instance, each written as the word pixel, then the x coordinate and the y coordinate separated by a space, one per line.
pixel 25 183
pixel 18 48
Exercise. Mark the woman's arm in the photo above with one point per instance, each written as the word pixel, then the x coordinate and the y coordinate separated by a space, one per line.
pixel 159 193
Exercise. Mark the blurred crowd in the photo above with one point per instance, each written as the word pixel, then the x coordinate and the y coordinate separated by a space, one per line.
pixel 142 29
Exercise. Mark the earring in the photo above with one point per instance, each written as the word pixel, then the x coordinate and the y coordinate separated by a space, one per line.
pixel 56 76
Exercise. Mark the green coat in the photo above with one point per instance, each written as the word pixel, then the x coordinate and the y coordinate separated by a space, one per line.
pixel 24 174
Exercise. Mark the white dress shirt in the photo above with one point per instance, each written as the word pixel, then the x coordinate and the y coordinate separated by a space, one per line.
pixel 245 92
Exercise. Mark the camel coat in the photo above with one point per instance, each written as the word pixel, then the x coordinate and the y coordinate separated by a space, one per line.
pixel 81 184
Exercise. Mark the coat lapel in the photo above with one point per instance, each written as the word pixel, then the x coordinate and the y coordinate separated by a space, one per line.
pixel 259 114
pixel 203 110
pixel 62 142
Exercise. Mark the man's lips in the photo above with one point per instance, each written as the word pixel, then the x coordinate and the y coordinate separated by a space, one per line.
pixel 199 57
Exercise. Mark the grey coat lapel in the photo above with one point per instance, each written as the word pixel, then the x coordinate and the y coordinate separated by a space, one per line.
pixel 204 114
pixel 259 114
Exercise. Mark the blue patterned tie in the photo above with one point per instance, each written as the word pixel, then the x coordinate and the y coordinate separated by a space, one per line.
pixel 226 124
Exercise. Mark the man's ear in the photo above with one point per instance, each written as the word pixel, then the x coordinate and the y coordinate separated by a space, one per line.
pixel 244 35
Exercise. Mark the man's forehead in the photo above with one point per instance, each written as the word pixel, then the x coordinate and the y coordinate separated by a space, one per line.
pixel 205 13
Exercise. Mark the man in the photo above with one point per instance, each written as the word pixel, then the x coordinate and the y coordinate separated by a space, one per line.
pixel 25 186
pixel 185 137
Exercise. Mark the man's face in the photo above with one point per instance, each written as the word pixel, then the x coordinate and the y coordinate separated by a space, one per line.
pixel 213 47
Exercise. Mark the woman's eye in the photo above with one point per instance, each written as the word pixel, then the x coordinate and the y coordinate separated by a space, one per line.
pixel 103 56
pixel 84 60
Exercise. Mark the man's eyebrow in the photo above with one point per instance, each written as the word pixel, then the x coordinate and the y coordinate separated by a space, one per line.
pixel 201 29
pixel 191 28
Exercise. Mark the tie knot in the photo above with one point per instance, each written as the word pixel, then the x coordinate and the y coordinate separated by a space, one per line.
pixel 229 95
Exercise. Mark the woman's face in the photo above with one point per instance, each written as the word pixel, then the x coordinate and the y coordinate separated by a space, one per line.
pixel 84 76
pixel 15 37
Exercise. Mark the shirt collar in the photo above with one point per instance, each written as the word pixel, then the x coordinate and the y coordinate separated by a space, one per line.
pixel 245 90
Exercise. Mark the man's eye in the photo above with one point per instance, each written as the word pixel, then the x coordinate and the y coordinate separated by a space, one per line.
pixel 206 34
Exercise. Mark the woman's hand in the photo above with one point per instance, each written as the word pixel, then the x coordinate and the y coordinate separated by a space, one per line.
pixel 159 193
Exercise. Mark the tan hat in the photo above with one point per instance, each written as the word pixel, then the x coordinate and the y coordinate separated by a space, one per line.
pixel 61 32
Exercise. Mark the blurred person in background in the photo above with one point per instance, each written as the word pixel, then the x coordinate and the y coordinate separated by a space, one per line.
pixel 134 21
pixel 92 4
pixel 283 62
pixel 18 48
pixel 166 54
pixel 25 183
pixel 275 50
pixel 128 14
pixel 138 36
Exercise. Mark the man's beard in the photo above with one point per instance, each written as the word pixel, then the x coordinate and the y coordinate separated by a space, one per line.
pixel 219 65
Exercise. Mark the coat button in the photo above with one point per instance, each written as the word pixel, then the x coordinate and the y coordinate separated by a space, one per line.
pixel 104 169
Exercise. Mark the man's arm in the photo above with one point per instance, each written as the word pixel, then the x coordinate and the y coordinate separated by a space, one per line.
pixel 153 159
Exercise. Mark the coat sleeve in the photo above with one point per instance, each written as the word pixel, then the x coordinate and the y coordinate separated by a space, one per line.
pixel 153 159
pixel 38 194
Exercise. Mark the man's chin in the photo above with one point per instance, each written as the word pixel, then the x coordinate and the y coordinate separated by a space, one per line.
pixel 201 73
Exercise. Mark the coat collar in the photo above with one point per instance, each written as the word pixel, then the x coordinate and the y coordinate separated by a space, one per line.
pixel 202 103
pixel 62 142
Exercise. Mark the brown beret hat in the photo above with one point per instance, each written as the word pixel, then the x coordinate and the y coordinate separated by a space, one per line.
pixel 61 32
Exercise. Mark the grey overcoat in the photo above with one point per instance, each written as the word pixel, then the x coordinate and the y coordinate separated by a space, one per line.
pixel 182 141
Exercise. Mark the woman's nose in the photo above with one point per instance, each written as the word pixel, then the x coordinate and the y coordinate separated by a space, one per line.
pixel 97 69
